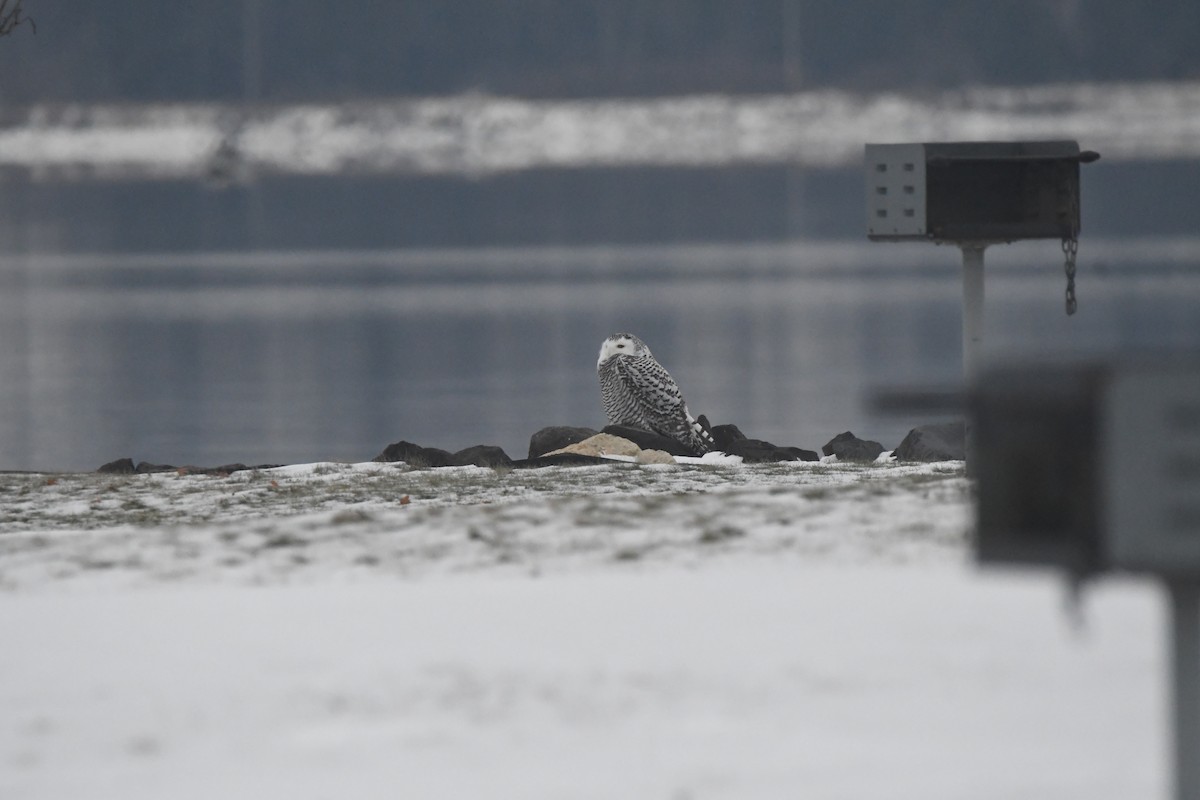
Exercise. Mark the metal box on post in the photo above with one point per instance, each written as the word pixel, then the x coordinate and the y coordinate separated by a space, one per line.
pixel 982 192
pixel 895 192
pixel 973 195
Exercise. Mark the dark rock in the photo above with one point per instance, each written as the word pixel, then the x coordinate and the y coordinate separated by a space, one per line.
pixel 944 442
pixel 224 469
pixel 557 437
pixel 648 440
pixel 145 467
pixel 560 460
pixel 415 456
pixel 481 455
pixel 801 454
pixel 755 451
pixel 730 439
pixel 848 447
pixel 122 466
pixel 726 436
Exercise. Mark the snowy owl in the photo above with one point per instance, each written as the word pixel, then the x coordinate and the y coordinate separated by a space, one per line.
pixel 637 391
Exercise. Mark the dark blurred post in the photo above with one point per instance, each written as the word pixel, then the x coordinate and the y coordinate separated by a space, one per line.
pixel 793 77
pixel 12 17
pixel 251 97
pixel 251 51
pixel 1185 686
pixel 793 72
pixel 1092 468
pixel 972 258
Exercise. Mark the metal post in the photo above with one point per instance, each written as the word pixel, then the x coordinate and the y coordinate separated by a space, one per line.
pixel 972 257
pixel 1185 686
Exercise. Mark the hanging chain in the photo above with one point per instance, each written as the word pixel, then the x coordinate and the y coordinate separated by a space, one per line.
pixel 1070 247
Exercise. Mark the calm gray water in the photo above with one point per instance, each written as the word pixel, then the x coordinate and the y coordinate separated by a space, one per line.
pixel 294 357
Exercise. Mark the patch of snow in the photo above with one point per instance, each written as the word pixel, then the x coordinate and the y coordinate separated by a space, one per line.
pixel 740 680
pixel 712 458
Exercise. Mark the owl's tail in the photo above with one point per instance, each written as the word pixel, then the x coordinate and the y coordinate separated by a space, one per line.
pixel 701 439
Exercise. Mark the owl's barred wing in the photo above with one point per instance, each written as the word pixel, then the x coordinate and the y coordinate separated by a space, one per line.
pixel 652 384
pixel 660 402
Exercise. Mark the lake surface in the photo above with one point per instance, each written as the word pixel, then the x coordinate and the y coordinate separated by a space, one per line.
pixel 331 278
pixel 278 357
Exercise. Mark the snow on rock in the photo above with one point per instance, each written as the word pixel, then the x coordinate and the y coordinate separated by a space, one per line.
pixel 711 458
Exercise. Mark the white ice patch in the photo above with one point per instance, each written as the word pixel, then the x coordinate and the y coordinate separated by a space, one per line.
pixel 711 458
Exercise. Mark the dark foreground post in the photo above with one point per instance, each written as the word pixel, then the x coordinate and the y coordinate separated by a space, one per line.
pixel 1185 686
pixel 1095 468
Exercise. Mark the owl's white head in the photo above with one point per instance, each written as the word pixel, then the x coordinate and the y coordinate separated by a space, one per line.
pixel 622 344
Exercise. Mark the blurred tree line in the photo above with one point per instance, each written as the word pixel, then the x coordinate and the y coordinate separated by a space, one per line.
pixel 287 50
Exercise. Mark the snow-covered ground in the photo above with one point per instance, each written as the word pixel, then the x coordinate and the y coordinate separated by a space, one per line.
pixel 715 630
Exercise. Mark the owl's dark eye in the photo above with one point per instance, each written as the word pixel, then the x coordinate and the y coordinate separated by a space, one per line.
pixel 620 346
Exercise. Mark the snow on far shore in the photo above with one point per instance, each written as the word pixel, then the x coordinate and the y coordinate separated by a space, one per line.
pixel 475 134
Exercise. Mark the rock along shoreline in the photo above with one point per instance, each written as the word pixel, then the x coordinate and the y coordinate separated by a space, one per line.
pixel 563 445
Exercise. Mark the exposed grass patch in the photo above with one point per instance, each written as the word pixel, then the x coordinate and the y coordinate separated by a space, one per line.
pixel 722 533
pixel 283 539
